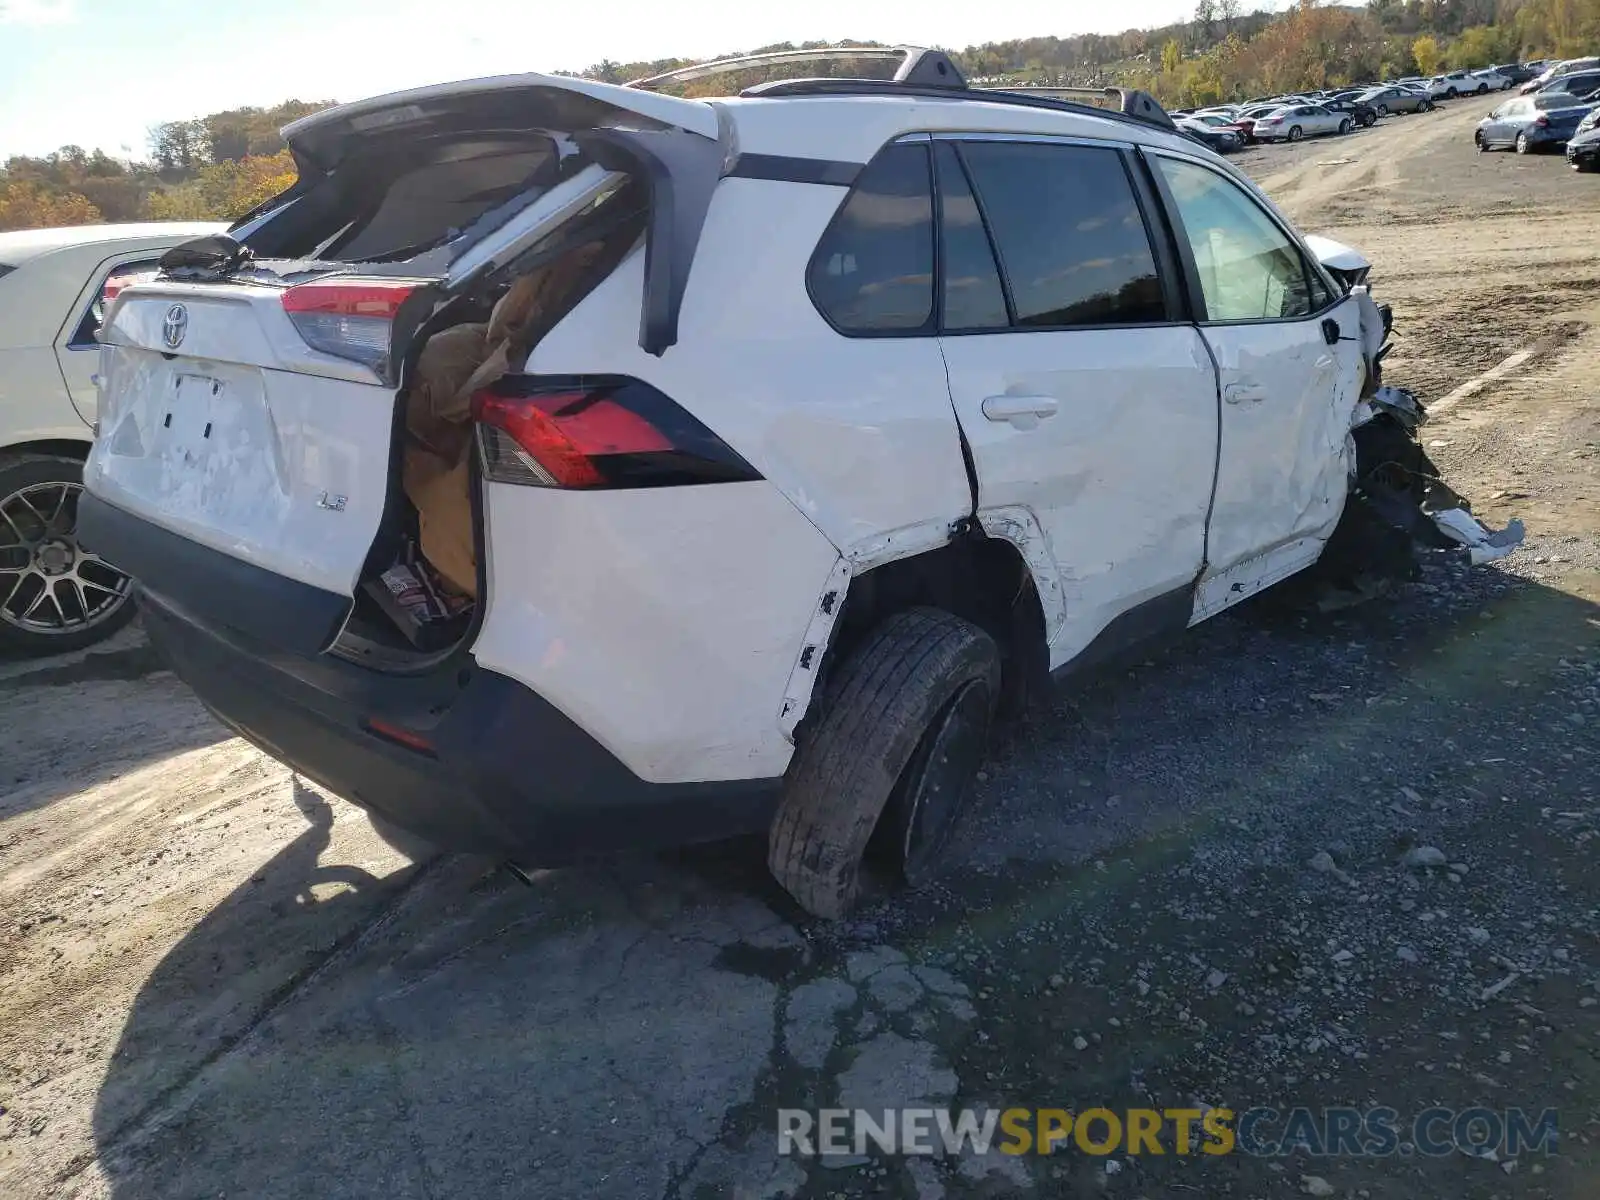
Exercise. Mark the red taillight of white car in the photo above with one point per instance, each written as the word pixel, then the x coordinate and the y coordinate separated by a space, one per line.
pixel 589 432
pixel 348 318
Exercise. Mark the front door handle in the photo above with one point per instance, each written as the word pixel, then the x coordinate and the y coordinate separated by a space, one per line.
pixel 1246 392
pixel 1021 412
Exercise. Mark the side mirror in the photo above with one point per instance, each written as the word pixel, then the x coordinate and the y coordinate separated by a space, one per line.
pixel 1331 333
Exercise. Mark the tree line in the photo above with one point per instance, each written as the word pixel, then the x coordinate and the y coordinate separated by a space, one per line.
pixel 221 165
pixel 211 168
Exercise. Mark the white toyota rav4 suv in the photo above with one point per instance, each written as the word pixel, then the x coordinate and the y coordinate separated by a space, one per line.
pixel 882 401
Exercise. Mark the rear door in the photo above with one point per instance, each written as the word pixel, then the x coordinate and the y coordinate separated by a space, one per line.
pixel 1287 348
pixel 1088 402
pixel 251 410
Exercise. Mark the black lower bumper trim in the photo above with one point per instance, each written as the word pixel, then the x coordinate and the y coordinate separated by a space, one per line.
pixel 282 613
pixel 510 774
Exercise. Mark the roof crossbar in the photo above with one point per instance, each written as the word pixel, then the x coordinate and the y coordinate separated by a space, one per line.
pixel 914 65
pixel 1130 102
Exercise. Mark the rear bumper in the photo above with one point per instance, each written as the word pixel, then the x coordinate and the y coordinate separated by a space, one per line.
pixel 504 772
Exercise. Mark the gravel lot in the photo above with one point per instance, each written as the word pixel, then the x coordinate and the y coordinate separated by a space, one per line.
pixel 1185 882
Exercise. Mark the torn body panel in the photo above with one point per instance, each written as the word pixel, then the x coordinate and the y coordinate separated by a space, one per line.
pixel 802 683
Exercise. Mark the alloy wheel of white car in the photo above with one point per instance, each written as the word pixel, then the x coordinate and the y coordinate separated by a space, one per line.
pixel 54 595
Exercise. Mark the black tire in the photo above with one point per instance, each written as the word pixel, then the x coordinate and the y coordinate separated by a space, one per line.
pixel 1586 166
pixel 1451 93
pixel 1346 126
pixel 1524 146
pixel 1369 120
pixel 1383 110
pixel 855 762
pixel 1477 140
pixel 1296 133
pixel 25 535
pixel 1428 105
pixel 1483 89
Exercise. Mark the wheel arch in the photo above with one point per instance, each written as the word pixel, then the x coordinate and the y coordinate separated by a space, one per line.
pixel 983 577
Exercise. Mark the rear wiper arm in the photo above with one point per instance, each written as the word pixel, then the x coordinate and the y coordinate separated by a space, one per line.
pixel 215 256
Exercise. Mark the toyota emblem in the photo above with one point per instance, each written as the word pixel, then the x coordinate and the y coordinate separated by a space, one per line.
pixel 175 326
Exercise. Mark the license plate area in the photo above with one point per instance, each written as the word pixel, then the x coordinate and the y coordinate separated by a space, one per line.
pixel 184 433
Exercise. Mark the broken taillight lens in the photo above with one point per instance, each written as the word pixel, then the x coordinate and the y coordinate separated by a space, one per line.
pixel 596 432
pixel 348 318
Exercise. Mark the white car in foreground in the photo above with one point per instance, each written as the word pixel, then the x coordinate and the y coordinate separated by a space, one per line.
pixel 52 281
pixel 801 466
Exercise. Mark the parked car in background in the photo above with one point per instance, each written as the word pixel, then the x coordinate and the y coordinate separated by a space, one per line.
pixel 1301 121
pixel 1355 108
pixel 1578 83
pixel 1456 83
pixel 1217 132
pixel 1490 80
pixel 1247 118
pixel 1554 71
pixel 1518 73
pixel 1396 99
pixel 1530 124
pixel 53 595
pixel 1583 147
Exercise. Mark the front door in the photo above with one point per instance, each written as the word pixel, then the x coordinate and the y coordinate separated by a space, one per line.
pixel 1088 403
pixel 1288 352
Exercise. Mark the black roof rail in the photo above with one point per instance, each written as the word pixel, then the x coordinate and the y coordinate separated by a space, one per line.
pixel 914 65
pixel 1121 105
pixel 1130 102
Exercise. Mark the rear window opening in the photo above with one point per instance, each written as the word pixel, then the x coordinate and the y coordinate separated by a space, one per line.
pixel 417 602
pixel 388 203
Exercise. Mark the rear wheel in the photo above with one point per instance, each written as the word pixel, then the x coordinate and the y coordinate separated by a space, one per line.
pixel 1483 89
pixel 1369 120
pixel 1587 165
pixel 54 595
pixel 1524 146
pixel 1296 133
pixel 1477 140
pixel 896 748
pixel 1346 125
pixel 1383 110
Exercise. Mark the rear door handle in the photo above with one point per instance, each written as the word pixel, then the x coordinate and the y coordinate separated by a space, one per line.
pixel 1021 412
pixel 1247 392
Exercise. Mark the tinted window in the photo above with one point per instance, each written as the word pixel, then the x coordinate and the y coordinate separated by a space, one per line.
pixel 973 297
pixel 873 269
pixel 1069 232
pixel 1249 270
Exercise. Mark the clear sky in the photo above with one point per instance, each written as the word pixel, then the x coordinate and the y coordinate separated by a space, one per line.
pixel 99 73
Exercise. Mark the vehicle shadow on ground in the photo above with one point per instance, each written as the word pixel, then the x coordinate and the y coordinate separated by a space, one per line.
pixel 615 1029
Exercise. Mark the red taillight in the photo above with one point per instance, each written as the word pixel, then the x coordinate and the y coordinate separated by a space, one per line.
pixel 349 318
pixel 596 433
pixel 114 285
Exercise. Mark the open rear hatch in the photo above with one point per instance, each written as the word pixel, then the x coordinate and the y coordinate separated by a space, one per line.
pixel 250 393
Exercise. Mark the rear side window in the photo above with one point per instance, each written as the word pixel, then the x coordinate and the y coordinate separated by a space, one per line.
pixel 1070 234
pixel 973 295
pixel 872 272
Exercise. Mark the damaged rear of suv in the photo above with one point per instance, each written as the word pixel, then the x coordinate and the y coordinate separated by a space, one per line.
pixel 561 467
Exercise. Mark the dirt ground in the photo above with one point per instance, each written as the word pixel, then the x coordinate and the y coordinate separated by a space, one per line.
pixel 1182 885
